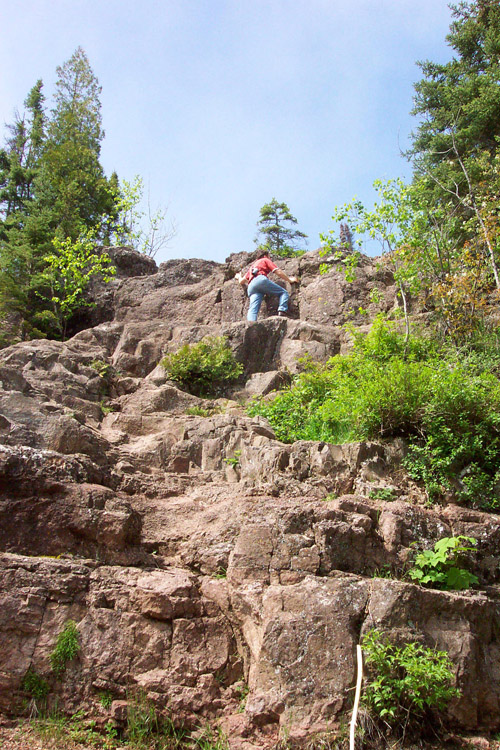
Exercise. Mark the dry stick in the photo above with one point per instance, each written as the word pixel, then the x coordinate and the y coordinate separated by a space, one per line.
pixel 359 654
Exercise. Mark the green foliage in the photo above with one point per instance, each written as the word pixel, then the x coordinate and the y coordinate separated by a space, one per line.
pixel 198 411
pixel 439 569
pixel 104 369
pixel 105 698
pixel 385 494
pixel 56 203
pixel 331 496
pixel 66 648
pixel 19 160
pixel 275 225
pixel 462 93
pixel 242 691
pixel 203 368
pixel 439 399
pixel 220 574
pixel 346 262
pixel 406 682
pixel 201 411
pixel 106 408
pixel 35 685
pixel 127 225
pixel 142 720
pixel 71 186
pixel 455 155
pixel 233 460
pixel 385 571
pixel 58 730
pixel 146 727
pixel 68 273
pixel 211 739
pixel 391 222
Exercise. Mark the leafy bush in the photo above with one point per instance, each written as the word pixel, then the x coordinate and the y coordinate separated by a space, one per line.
pixel 385 494
pixel 443 403
pixel 203 368
pixel 66 648
pixel 35 685
pixel 439 569
pixel 405 681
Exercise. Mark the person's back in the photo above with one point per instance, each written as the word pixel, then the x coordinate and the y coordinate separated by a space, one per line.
pixel 261 267
pixel 259 285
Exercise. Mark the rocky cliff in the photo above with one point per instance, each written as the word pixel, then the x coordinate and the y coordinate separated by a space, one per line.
pixel 197 577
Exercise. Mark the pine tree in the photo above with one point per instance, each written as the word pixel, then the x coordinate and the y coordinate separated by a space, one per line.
pixel 19 158
pixel 459 101
pixel 280 240
pixel 455 148
pixel 71 180
pixel 19 162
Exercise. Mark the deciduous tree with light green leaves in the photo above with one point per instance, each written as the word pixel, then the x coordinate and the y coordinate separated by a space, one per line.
pixel 131 226
pixel 393 221
pixel 69 270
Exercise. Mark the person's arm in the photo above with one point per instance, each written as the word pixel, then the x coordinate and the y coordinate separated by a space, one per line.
pixel 282 275
pixel 240 278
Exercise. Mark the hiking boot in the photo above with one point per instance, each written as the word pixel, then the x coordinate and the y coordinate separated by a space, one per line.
pixel 282 314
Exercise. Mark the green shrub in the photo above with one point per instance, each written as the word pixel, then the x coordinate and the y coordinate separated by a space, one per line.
pixel 198 411
pixel 233 460
pixel 385 494
pixel 405 682
pixel 203 368
pixel 35 685
pixel 384 341
pixel 439 569
pixel 66 648
pixel 104 369
pixel 444 406
pixel 105 698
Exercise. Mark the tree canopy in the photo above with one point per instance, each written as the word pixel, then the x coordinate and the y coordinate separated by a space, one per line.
pixel 276 226
pixel 52 190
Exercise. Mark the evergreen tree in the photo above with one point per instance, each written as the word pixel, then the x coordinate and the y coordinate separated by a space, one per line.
pixel 459 101
pixel 71 181
pixel 455 148
pixel 52 187
pixel 19 159
pixel 19 162
pixel 276 226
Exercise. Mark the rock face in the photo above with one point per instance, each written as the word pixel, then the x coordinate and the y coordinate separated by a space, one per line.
pixel 199 556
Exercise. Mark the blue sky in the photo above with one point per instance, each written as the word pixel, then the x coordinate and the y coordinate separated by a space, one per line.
pixel 221 105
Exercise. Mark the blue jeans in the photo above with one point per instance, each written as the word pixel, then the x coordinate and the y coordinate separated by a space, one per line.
pixel 260 286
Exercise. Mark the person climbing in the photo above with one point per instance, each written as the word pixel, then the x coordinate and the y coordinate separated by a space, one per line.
pixel 259 284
